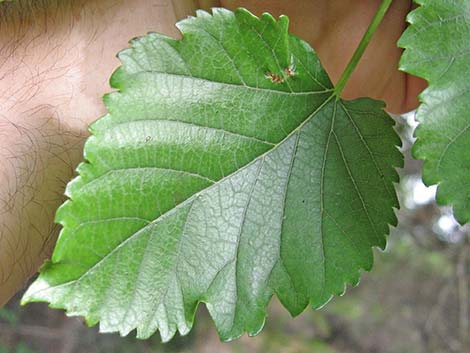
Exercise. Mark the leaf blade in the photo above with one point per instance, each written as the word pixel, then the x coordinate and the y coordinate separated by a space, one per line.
pixel 199 198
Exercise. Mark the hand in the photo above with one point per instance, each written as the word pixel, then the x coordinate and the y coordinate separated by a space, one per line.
pixel 55 62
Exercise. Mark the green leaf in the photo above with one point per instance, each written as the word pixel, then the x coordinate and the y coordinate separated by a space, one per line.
pixel 437 44
pixel 226 171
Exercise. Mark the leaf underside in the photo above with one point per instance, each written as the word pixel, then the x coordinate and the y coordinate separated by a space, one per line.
pixel 225 171
pixel 437 48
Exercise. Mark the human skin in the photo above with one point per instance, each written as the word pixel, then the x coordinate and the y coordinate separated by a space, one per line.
pixel 55 61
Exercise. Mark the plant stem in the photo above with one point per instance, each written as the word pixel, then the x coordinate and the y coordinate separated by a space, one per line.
pixel 378 17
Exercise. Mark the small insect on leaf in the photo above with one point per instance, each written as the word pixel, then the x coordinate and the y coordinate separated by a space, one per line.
pixel 290 70
pixel 274 78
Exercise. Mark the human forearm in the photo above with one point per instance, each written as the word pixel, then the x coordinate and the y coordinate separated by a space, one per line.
pixel 39 145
